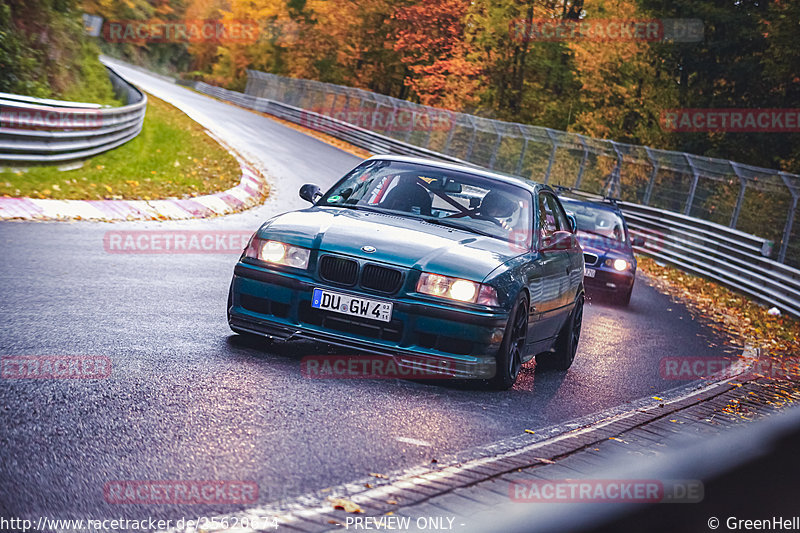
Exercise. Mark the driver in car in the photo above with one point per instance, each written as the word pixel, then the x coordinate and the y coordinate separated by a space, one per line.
pixel 498 206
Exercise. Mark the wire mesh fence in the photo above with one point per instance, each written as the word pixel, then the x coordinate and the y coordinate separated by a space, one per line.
pixel 754 200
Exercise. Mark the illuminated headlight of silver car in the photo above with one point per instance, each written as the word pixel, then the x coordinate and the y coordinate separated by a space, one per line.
pixel 462 290
pixel 278 253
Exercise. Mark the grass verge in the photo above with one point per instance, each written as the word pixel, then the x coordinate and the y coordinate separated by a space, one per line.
pixel 173 156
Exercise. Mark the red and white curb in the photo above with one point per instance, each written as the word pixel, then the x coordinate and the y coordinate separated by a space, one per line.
pixel 250 192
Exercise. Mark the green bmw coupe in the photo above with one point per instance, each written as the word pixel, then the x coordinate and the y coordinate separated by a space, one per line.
pixel 436 265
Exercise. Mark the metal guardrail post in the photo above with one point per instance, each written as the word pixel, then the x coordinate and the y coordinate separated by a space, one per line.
pixel 333 105
pixel 653 174
pixel 518 171
pixel 428 131
pixel 787 230
pixel 411 126
pixel 740 198
pixel 472 138
pixel 493 158
pixel 552 157
pixel 450 135
pixel 695 177
pixel 613 182
pixel 584 159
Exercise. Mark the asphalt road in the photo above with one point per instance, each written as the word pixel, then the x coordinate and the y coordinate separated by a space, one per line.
pixel 187 399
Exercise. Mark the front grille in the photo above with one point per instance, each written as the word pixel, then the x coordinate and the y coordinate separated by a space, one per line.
pixel 381 279
pixel 338 270
pixel 589 259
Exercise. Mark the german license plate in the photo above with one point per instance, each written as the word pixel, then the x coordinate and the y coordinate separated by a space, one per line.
pixel 351 305
pixel 589 272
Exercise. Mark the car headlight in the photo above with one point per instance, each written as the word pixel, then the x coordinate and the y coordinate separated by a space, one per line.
pixel 278 253
pixel 617 264
pixel 462 290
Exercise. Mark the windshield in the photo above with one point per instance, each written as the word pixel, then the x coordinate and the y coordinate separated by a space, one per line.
pixel 453 198
pixel 596 221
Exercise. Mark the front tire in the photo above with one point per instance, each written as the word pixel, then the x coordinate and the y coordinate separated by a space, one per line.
pixel 566 346
pixel 509 357
pixel 624 298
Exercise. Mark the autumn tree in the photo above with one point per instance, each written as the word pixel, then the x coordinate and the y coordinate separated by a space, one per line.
pixel 431 41
pixel 526 80
pixel 622 93
pixel 350 42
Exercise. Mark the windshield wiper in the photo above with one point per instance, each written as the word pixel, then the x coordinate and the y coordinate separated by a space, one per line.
pixel 590 232
pixel 442 222
pixel 360 207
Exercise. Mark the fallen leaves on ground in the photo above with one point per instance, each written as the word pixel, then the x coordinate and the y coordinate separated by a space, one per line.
pixel 345 505
pixel 743 322
pixel 737 317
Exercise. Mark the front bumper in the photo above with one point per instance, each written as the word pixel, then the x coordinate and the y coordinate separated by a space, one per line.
pixel 608 279
pixel 421 335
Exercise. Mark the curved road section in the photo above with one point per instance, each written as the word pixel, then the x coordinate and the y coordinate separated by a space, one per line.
pixel 183 400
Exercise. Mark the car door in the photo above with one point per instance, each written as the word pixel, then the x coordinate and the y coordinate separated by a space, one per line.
pixel 574 253
pixel 550 286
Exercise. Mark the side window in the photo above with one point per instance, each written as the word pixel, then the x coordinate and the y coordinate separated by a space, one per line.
pixel 551 219
pixel 561 215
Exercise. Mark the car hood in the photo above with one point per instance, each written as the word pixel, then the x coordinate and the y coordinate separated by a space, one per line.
pixel 603 247
pixel 402 241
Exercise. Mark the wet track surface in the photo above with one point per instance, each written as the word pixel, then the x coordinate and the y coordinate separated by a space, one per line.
pixel 187 399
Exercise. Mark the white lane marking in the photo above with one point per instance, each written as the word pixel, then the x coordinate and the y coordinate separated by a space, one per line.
pixel 415 442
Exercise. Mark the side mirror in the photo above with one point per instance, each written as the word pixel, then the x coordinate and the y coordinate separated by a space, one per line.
pixel 637 241
pixel 310 193
pixel 573 222
pixel 560 240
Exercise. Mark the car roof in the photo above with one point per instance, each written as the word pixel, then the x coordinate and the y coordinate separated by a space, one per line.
pixel 527 184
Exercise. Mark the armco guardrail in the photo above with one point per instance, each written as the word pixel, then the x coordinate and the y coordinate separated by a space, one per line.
pixel 730 257
pixel 361 137
pixel 724 191
pixel 733 258
pixel 34 130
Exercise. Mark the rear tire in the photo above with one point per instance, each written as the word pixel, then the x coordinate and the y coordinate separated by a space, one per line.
pixel 566 345
pixel 509 357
